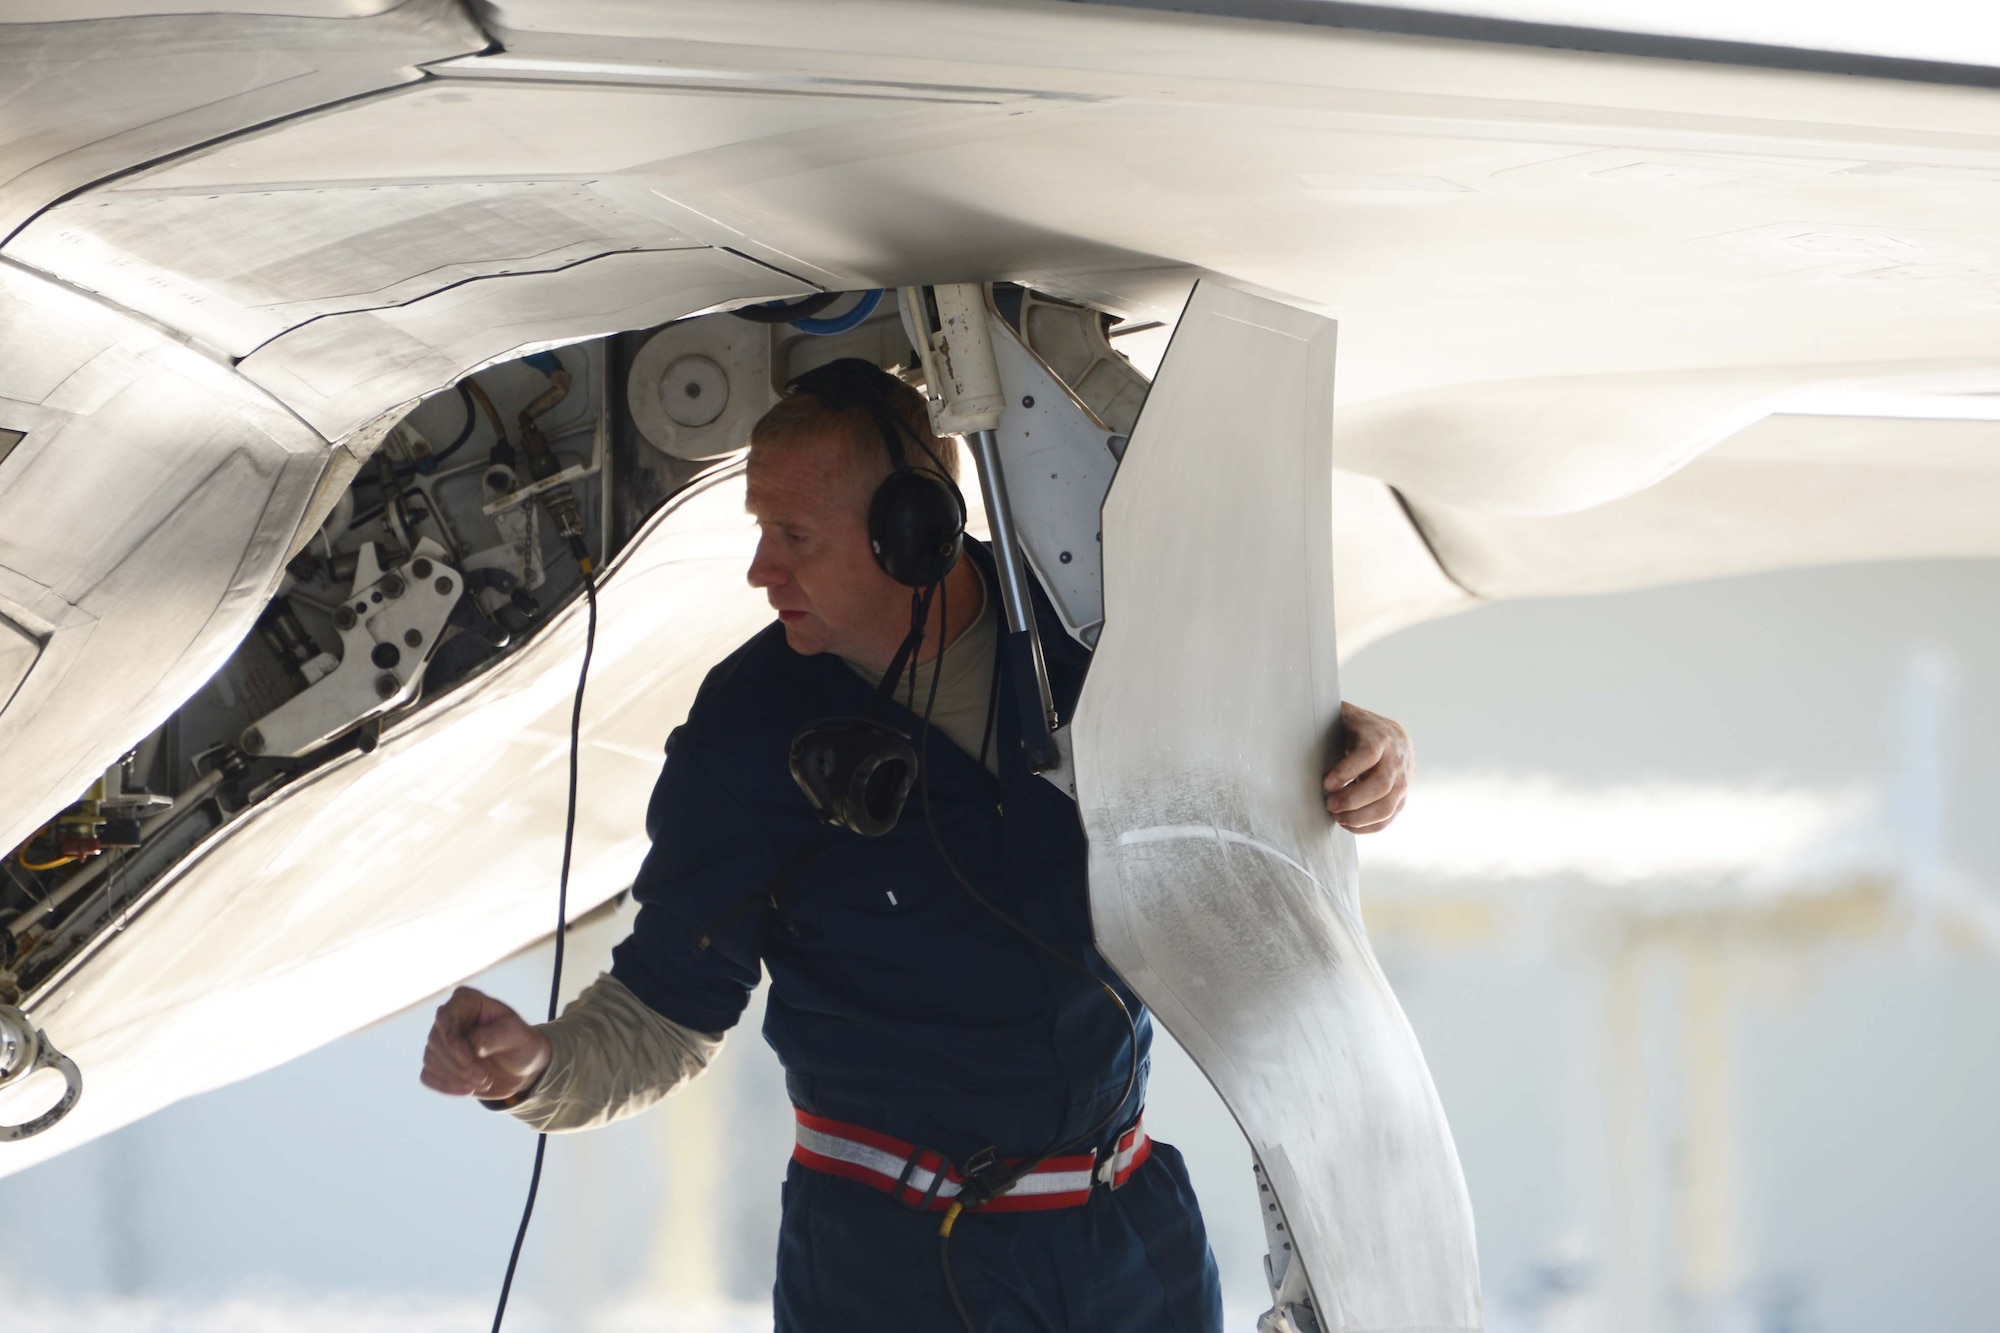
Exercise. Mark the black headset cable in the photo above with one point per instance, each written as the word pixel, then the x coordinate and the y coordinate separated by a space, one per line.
pixel 1131 1026
pixel 562 916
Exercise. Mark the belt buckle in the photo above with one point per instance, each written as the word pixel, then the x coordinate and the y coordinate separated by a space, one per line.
pixel 937 1179
pixel 985 1179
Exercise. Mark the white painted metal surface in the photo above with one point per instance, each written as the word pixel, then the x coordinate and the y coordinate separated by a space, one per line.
pixel 1936 30
pixel 238 271
pixel 1220 888
pixel 342 372
pixel 144 519
pixel 382 878
pixel 1790 491
pixel 1059 464
pixel 92 88
pixel 397 617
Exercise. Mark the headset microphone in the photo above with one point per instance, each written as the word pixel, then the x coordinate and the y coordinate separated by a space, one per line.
pixel 857 772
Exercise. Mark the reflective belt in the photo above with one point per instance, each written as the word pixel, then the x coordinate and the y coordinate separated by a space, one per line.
pixel 925 1180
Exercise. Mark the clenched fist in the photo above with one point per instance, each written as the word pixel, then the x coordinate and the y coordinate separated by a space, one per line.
pixel 480 1047
pixel 1370 782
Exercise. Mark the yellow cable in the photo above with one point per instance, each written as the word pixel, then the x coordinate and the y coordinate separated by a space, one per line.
pixel 492 412
pixel 22 856
pixel 950 1216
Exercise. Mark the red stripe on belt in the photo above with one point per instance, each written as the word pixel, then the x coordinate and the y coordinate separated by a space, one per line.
pixel 920 1178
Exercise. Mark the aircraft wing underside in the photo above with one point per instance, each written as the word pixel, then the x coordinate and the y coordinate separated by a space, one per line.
pixel 1607 319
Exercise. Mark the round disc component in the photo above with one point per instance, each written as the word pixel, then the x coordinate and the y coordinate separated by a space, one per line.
pixel 696 386
pixel 694 390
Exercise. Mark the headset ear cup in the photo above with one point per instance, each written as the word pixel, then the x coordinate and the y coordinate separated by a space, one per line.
pixel 916 527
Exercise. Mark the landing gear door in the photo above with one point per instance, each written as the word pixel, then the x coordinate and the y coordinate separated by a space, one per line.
pixel 1220 889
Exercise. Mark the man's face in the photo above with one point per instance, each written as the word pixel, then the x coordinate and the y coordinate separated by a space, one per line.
pixel 813 560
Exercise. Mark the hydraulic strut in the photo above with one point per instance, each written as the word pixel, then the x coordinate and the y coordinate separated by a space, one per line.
pixel 962 386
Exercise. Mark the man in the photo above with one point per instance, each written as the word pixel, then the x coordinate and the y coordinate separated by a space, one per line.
pixel 936 998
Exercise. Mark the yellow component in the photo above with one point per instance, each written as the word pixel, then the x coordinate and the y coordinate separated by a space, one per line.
pixel 587 565
pixel 22 856
pixel 950 1216
pixel 557 391
pixel 86 816
pixel 492 412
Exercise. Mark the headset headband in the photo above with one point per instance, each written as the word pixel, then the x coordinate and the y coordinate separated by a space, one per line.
pixel 852 382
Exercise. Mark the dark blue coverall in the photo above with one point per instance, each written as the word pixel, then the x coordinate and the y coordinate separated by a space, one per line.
pixel 899 1004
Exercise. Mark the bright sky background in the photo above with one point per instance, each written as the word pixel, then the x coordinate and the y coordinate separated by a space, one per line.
pixel 1534 826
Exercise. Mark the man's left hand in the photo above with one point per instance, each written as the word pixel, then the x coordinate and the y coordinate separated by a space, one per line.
pixel 1369 784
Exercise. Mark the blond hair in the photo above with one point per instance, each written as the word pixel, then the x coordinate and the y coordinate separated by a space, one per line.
pixel 800 418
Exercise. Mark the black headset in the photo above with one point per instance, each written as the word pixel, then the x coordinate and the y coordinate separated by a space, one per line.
pixel 858 771
pixel 916 519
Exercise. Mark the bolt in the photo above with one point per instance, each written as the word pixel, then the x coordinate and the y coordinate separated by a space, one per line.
pixel 253 741
pixel 385 655
pixel 413 637
pixel 1065 557
pixel 386 685
pixel 443 585
pixel 420 567
pixel 343 619
pixel 394 587
pixel 1028 400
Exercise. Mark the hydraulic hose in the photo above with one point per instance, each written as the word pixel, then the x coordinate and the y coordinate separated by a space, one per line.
pixel 786 312
pixel 853 318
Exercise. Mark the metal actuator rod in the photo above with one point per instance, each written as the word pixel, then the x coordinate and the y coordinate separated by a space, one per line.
pixel 962 386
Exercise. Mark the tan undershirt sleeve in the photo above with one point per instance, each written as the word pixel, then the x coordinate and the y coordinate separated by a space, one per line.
pixel 610 1056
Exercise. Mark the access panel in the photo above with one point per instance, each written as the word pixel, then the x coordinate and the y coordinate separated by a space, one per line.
pixel 1221 889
